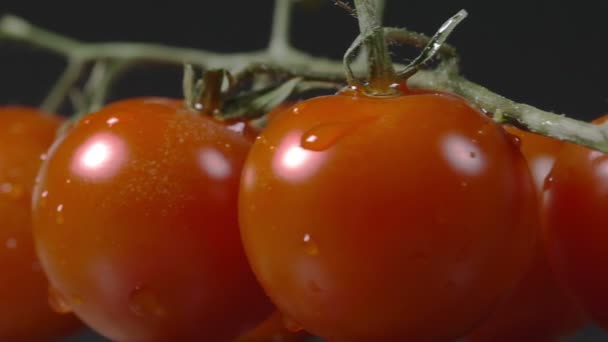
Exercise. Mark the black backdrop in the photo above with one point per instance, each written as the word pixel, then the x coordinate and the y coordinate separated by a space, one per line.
pixel 550 54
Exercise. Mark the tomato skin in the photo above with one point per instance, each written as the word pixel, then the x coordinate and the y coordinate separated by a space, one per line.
pixel 25 135
pixel 393 211
pixel 574 219
pixel 136 224
pixel 273 329
pixel 539 309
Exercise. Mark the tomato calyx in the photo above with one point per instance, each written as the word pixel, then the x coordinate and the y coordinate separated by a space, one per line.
pixel 219 94
pixel 383 80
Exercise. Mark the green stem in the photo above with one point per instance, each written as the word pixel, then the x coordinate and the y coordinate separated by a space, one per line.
pixel 303 65
pixel 382 74
pixel 505 111
pixel 62 87
pixel 279 36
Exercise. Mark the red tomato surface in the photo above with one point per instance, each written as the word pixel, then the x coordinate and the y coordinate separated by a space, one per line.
pixel 135 220
pixel 575 220
pixel 538 310
pixel 273 330
pixel 25 314
pixel 387 219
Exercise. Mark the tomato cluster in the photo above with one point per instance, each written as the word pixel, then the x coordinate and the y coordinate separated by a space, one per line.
pixel 411 217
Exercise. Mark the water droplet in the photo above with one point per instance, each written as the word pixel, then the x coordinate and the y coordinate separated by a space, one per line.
pixel 43 156
pixel 112 121
pixel 464 184
pixel 324 136
pixel 144 302
pixel 77 301
pixel 11 243
pixel 58 302
pixel 15 191
pixel 514 140
pixel 36 267
pixel 43 199
pixel 420 257
pixel 68 181
pixel 314 287
pixel 296 110
pixel 59 219
pixel 238 127
pixel 548 182
pixel 291 324
pixel 310 246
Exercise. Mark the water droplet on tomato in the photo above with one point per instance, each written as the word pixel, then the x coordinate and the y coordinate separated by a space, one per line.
pixel 464 184
pixel 14 191
pixel 58 302
pixel 144 302
pixel 310 246
pixel 548 182
pixel 291 324
pixel 238 127
pixel 11 243
pixel 514 140
pixel 43 156
pixel 324 136
pixel 112 121
pixel 77 301
pixel 59 219
pixel 314 287
pixel 43 198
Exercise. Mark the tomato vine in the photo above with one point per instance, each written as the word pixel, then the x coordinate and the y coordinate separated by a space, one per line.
pixel 281 58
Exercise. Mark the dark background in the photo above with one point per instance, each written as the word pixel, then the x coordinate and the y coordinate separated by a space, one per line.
pixel 550 54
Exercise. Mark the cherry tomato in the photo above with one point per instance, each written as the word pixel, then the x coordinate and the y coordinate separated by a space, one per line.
pixel 575 217
pixel 372 219
pixel 135 220
pixel 273 329
pixel 538 309
pixel 25 135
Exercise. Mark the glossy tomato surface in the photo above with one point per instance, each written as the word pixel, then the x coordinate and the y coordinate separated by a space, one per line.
pixel 25 314
pixel 539 309
pixel 575 220
pixel 387 219
pixel 274 329
pixel 135 222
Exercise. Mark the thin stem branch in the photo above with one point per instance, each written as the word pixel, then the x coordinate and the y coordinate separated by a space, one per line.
pixel 303 65
pixel 504 110
pixel 62 87
pixel 382 72
pixel 279 36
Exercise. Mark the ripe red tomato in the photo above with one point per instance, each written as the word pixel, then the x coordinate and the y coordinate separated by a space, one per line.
pixel 273 329
pixel 25 135
pixel 538 309
pixel 371 219
pixel 575 219
pixel 135 220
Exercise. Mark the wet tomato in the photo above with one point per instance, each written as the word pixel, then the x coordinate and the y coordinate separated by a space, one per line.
pixel 273 329
pixel 25 135
pixel 575 219
pixel 135 222
pixel 370 219
pixel 539 309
